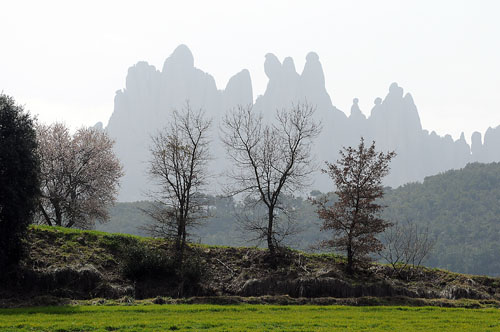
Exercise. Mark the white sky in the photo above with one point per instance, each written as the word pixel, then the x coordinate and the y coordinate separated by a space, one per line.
pixel 64 60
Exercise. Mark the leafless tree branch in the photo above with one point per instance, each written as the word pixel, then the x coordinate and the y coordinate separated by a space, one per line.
pixel 178 166
pixel 270 160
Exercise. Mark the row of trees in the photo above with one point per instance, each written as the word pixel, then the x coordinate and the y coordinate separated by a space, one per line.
pixel 271 161
pixel 73 179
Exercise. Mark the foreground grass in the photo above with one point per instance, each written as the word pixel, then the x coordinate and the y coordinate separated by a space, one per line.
pixel 247 318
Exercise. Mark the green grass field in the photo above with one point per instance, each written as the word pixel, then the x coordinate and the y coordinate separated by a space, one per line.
pixel 248 318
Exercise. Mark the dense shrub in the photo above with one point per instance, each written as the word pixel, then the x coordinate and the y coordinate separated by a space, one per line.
pixel 192 271
pixel 142 264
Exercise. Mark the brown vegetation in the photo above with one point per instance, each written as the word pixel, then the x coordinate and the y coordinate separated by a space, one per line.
pixel 355 218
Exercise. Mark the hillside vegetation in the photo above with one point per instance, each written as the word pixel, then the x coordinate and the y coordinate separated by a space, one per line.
pixel 65 265
pixel 461 209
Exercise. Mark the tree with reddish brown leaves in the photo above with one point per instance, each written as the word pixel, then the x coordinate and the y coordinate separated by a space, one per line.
pixel 355 218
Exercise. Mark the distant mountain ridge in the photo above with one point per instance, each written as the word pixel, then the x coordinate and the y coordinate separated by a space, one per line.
pixel 150 95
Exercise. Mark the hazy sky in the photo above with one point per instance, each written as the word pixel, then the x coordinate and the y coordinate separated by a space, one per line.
pixel 64 60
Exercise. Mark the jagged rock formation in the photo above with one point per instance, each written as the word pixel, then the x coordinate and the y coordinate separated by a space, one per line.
pixel 144 106
pixel 147 101
pixel 489 151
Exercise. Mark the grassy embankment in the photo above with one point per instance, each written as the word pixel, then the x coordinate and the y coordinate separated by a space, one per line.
pixel 53 249
pixel 66 265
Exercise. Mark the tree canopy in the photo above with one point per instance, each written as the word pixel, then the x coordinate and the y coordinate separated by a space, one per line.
pixel 79 176
pixel 354 218
pixel 19 178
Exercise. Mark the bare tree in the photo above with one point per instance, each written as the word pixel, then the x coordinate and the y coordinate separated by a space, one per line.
pixel 355 218
pixel 406 246
pixel 270 160
pixel 178 166
pixel 79 176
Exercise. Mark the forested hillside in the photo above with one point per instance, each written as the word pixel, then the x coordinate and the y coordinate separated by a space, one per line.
pixel 461 209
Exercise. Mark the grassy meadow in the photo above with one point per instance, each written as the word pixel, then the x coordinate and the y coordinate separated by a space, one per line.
pixel 248 318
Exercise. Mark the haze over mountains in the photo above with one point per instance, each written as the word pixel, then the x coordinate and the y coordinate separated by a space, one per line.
pixel 150 95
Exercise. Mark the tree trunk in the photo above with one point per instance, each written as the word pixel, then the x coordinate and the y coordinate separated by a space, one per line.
pixel 45 215
pixel 349 259
pixel 183 244
pixel 180 257
pixel 270 243
pixel 180 242
pixel 57 210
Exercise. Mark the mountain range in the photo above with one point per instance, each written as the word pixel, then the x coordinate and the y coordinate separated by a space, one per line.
pixel 146 103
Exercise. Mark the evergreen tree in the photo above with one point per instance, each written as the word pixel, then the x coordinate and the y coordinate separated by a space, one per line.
pixel 19 178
